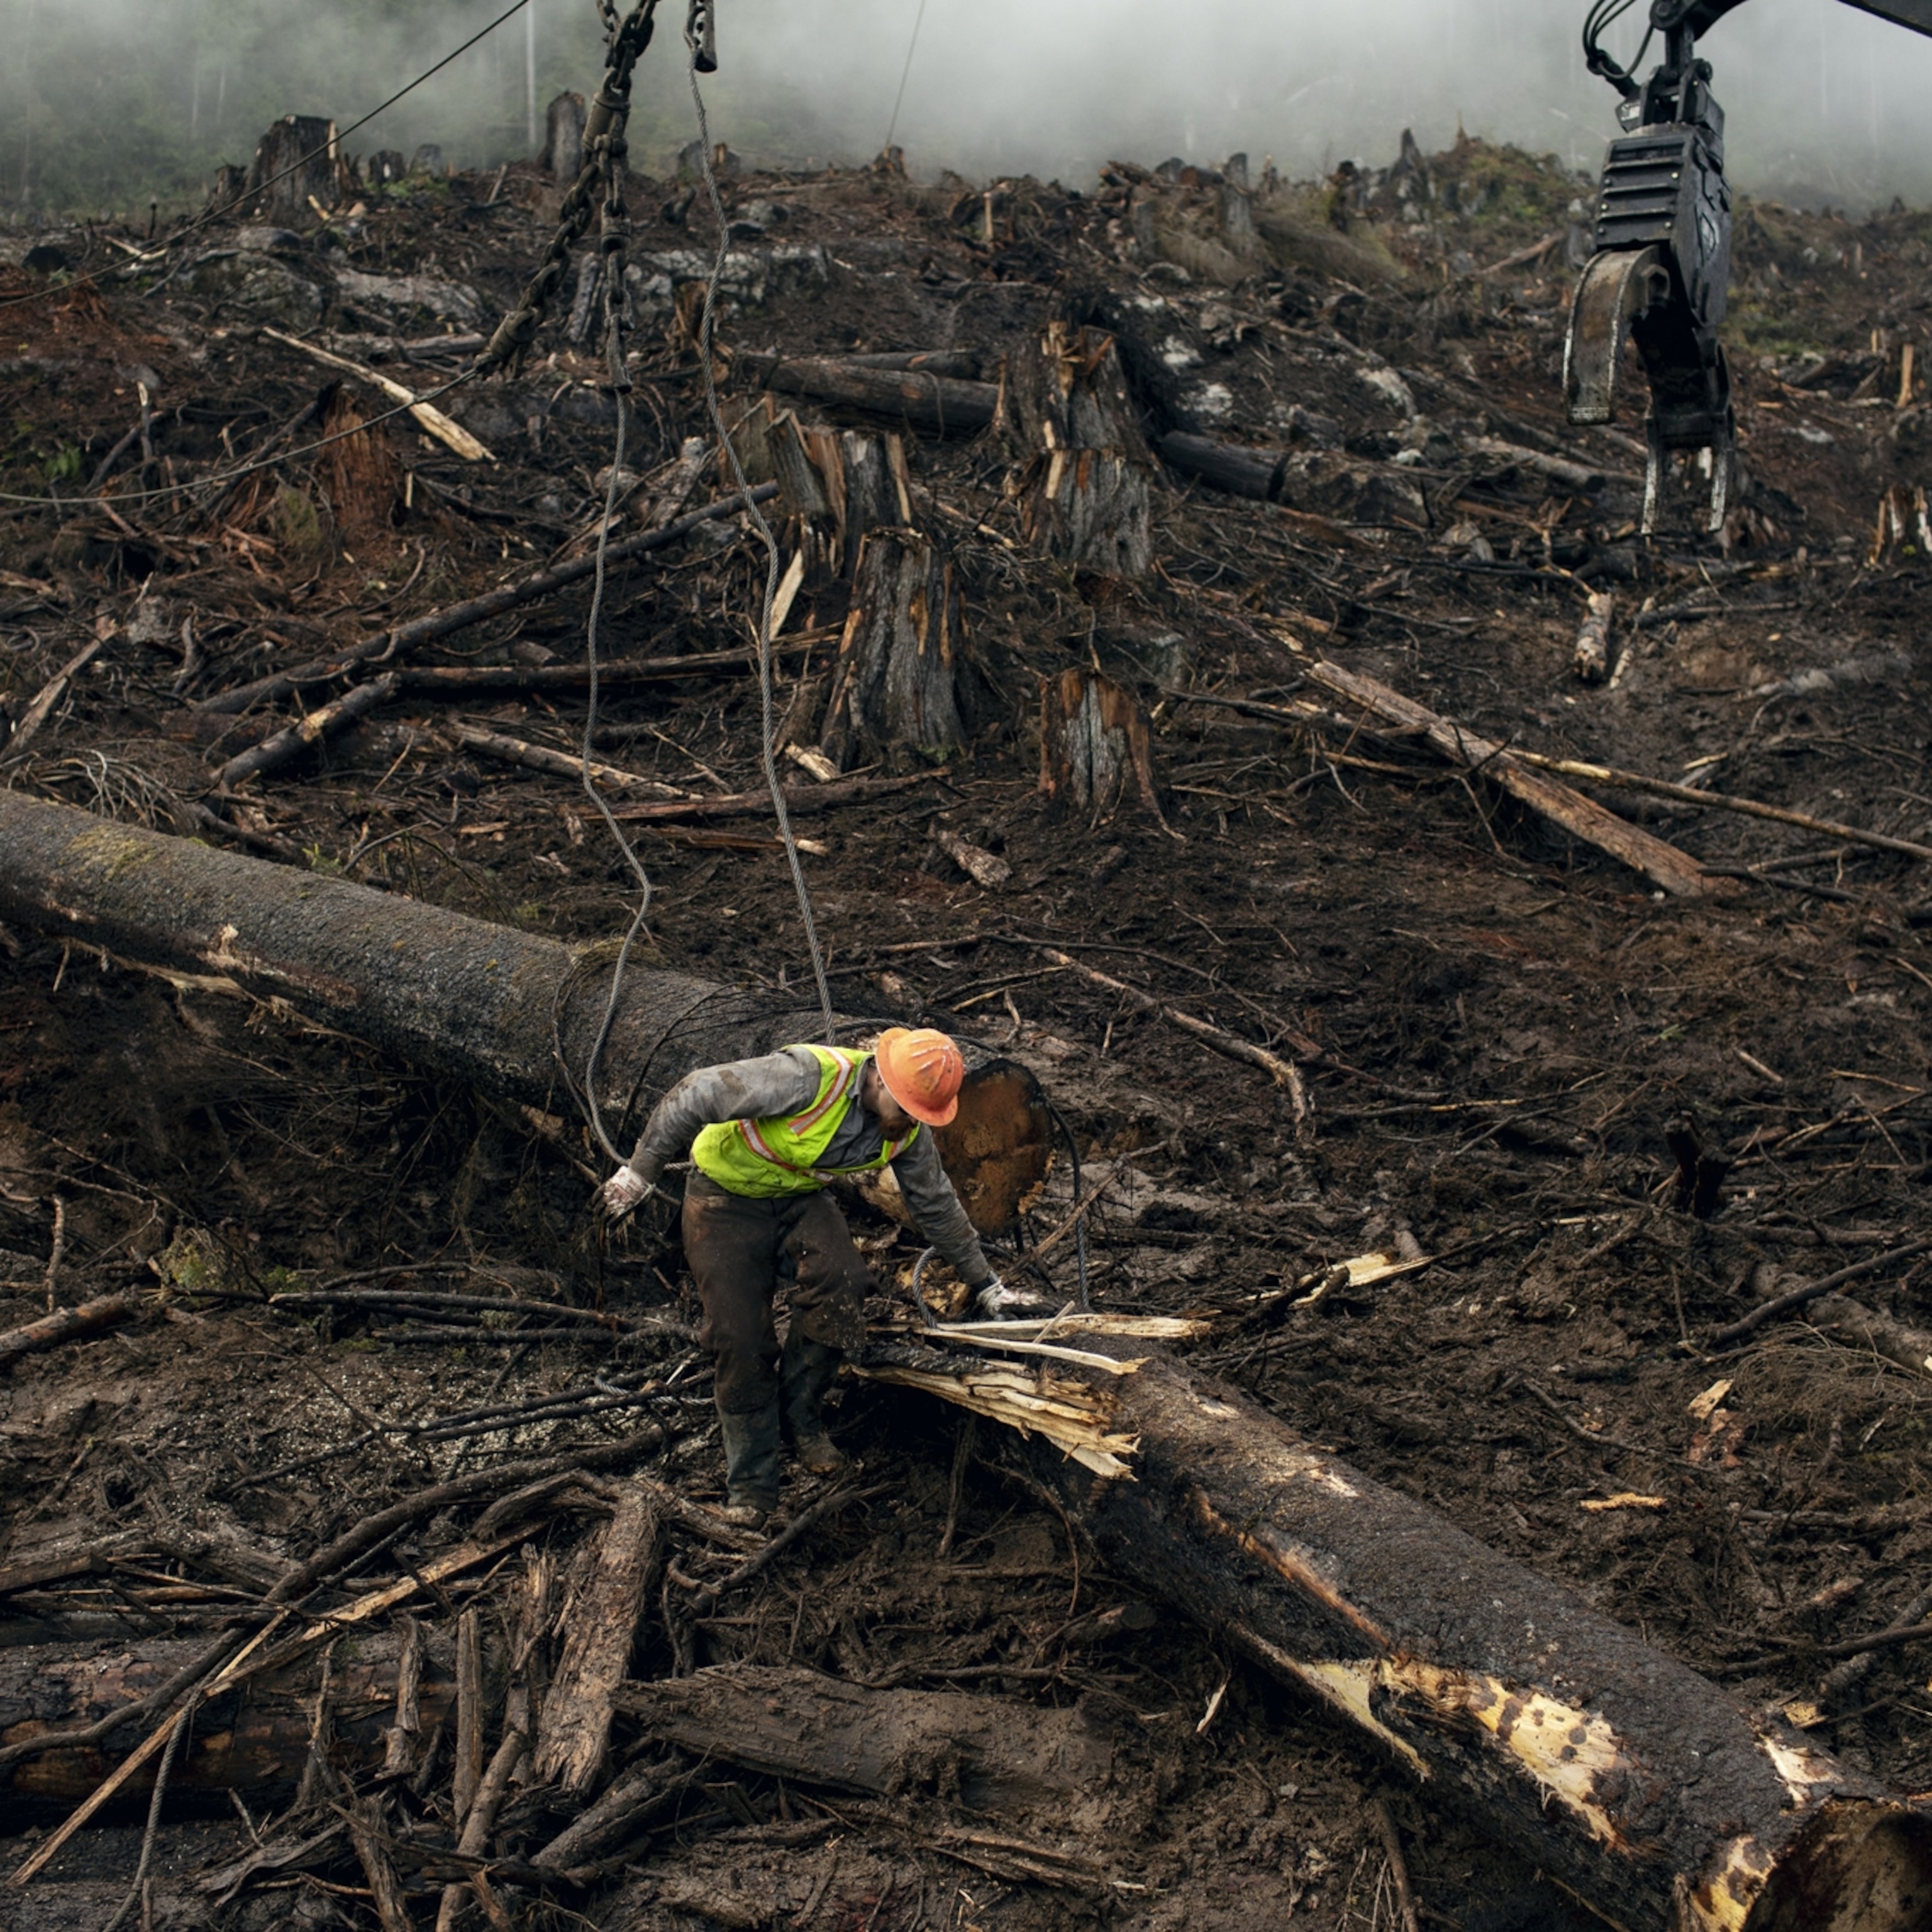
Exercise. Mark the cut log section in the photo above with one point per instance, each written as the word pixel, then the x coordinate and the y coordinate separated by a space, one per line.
pixel 1320 482
pixel 897 687
pixel 457 995
pixel 1083 475
pixel 1096 746
pixel 1637 1784
pixel 298 157
pixel 252 1736
pixel 820 1730
pixel 601 1624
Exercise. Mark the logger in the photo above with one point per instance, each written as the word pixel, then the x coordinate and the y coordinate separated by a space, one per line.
pixel 1660 272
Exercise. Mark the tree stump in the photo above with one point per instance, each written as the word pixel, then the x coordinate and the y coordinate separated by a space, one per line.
pixel 229 185
pixel 359 472
pixel 563 137
pixel 836 486
pixel 297 157
pixel 896 689
pixel 385 166
pixel 1082 471
pixel 1095 743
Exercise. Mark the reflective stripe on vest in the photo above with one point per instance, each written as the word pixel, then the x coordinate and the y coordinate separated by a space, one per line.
pixel 763 1158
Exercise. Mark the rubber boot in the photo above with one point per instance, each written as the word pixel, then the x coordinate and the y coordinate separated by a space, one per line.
pixel 751 1466
pixel 806 1370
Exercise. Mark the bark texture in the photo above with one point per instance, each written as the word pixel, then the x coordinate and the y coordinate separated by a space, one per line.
pixel 1084 473
pixel 987 1750
pixel 601 1623
pixel 1096 746
pixel 1640 1786
pixel 563 137
pixel 297 157
pixel 939 405
pixel 459 996
pixel 896 690
pixel 255 1736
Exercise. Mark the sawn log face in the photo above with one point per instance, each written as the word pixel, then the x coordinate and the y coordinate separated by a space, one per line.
pixel 1639 1784
pixel 460 996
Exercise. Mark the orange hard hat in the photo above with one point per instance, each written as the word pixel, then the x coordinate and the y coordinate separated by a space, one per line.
pixel 922 1071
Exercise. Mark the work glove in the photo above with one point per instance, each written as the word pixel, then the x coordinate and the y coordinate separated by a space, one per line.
pixel 623 1192
pixel 996 1301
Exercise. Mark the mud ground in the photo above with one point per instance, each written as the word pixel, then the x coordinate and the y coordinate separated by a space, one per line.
pixel 1511 1020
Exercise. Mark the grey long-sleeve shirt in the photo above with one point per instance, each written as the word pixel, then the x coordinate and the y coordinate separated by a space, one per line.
pixel 786 1083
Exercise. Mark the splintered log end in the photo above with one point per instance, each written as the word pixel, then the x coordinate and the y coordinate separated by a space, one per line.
pixel 1857 1865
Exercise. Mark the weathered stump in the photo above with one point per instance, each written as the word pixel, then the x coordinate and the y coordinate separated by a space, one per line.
pixel 563 137
pixel 896 687
pixel 1095 746
pixel 1082 474
pixel 836 486
pixel 298 156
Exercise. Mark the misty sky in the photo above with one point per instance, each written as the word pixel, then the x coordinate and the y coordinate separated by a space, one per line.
pixel 94 94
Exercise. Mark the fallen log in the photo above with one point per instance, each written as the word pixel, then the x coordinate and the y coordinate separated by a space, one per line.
pixel 66 1324
pixel 244 1739
pixel 1637 1784
pixel 427 415
pixel 1724 801
pixel 821 1730
pixel 942 405
pixel 460 680
pixel 1322 482
pixel 799 800
pixel 403 638
pixel 1677 872
pixel 461 996
pixel 601 1624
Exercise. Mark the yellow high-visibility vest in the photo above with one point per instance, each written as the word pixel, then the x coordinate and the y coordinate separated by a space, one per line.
pixel 768 1158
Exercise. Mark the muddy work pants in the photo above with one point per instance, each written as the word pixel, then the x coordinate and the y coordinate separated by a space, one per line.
pixel 740 1249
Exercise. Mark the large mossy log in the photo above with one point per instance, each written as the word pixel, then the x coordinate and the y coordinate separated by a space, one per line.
pixel 1639 1786
pixel 459 996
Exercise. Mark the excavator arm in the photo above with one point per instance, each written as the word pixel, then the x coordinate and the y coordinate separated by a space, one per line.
pixel 1659 273
pixel 1701 16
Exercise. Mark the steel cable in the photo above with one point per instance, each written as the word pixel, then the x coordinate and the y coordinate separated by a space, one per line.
pixel 706 327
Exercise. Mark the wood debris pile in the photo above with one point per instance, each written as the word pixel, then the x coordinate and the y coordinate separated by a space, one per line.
pixel 1476 955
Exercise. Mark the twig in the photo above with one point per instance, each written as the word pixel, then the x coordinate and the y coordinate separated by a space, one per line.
pixel 404 638
pixel 51 693
pixel 1771 1310
pixel 58 1249
pixel 1405 1899
pixel 786 1538
pixel 1283 1073
pixel 65 1324
pixel 431 418
pixel 1073 1220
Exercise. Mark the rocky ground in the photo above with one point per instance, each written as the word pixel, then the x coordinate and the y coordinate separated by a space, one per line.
pixel 1499 1026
